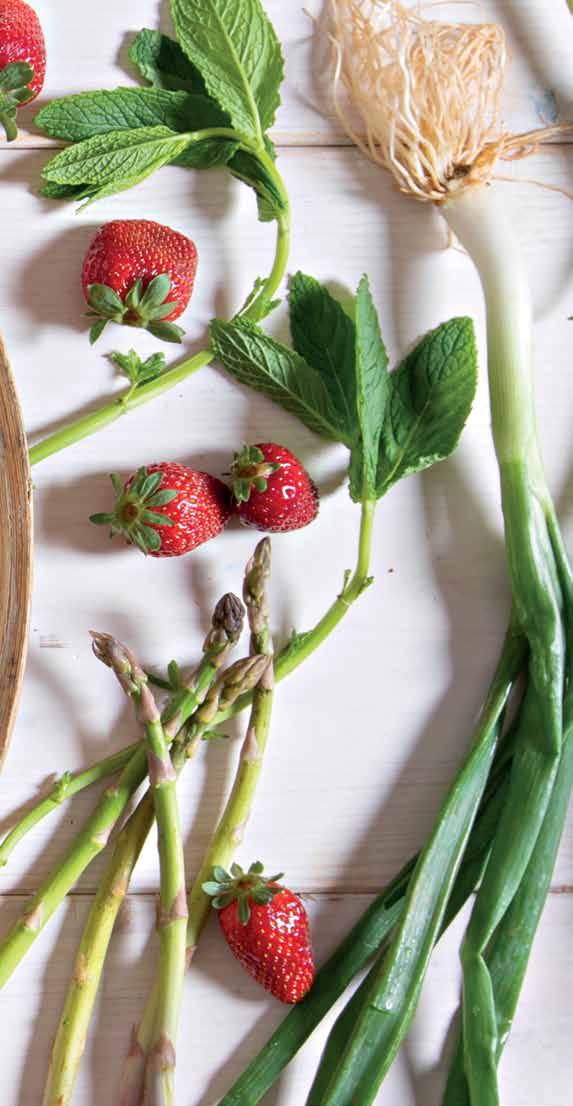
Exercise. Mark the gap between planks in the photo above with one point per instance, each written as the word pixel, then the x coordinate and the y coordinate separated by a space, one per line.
pixel 303 141
pixel 559 889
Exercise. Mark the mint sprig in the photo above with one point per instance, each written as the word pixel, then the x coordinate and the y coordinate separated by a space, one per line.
pixel 212 96
pixel 393 423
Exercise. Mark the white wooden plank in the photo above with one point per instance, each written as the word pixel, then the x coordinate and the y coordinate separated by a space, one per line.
pixel 347 738
pixel 88 51
pixel 226 1018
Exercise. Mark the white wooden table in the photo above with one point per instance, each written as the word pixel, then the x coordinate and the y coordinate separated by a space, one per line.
pixel 368 734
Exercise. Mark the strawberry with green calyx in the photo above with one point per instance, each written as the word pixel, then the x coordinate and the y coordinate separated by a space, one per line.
pixel 272 489
pixel 139 273
pixel 266 928
pixel 167 509
pixel 22 60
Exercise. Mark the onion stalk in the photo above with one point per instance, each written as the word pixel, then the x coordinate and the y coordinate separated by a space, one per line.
pixel 428 95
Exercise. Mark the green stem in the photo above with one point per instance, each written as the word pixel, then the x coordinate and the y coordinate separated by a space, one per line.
pixel 172 920
pixel 370 935
pixel 287 660
pixel 395 981
pixel 243 673
pixel 65 788
pixel 225 630
pixel 480 223
pixel 88 844
pixel 74 1023
pixel 132 398
pixel 304 645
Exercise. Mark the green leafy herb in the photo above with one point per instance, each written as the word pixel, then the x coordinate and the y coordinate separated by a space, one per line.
pixel 372 384
pixel 249 169
pixel 337 381
pixel 119 155
pixel 432 394
pixel 269 367
pixel 234 47
pixel 325 336
pixel 138 371
pixel 161 61
pixel 75 118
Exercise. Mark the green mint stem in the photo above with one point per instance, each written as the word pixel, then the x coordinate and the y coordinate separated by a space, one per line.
pixel 74 1023
pixel 304 645
pixel 131 399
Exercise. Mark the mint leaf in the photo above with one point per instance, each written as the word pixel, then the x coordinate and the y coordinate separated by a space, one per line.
pixel 431 396
pixel 75 118
pixel 325 336
pixel 279 373
pixel 234 47
pixel 372 385
pixel 161 61
pixel 248 169
pixel 115 157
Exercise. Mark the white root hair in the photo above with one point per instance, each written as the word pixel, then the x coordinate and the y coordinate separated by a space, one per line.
pixel 428 94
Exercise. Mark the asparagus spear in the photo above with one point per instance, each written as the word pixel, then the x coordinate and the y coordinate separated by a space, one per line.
pixel 172 914
pixel 96 832
pixel 230 829
pixel 225 630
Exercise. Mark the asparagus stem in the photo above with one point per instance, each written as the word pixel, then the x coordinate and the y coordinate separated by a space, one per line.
pixel 91 840
pixel 130 399
pixel 72 1030
pixel 172 916
pixel 241 676
pixel 226 628
pixel 65 788
pixel 286 661
pixel 231 825
pixel 97 830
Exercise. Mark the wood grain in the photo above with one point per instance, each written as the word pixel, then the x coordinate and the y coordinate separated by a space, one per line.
pixel 15 550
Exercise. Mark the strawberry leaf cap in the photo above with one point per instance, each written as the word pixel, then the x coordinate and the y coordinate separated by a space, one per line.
pixel 243 888
pixel 15 89
pixel 147 309
pixel 134 515
pixel 250 470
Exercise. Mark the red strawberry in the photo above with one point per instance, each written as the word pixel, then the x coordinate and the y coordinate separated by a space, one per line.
pixel 272 489
pixel 139 273
pixel 22 60
pixel 266 928
pixel 168 509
